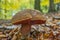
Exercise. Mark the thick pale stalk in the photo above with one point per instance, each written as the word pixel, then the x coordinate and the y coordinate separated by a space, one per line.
pixel 25 29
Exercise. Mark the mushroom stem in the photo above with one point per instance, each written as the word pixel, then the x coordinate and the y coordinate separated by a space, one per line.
pixel 25 29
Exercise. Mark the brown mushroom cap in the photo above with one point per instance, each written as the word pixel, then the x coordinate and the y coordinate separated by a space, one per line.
pixel 26 15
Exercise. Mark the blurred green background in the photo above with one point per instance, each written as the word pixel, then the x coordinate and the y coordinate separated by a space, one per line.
pixel 8 8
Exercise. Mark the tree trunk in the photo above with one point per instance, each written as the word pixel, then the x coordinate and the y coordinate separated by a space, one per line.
pixel 37 5
pixel 1 10
pixel 58 6
pixel 5 10
pixel 51 7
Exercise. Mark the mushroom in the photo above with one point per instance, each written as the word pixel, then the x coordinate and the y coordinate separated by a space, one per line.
pixel 27 18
